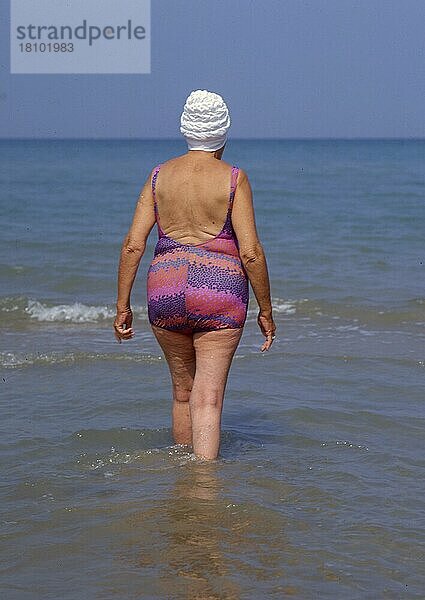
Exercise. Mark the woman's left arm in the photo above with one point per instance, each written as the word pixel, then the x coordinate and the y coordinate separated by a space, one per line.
pixel 132 250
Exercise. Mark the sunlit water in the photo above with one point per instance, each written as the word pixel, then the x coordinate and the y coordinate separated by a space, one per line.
pixel 318 489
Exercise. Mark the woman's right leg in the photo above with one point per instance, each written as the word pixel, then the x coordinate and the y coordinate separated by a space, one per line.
pixel 214 353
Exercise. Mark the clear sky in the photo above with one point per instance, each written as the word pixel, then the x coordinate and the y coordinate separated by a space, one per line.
pixel 286 68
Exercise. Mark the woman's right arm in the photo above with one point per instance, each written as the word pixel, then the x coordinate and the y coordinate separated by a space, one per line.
pixel 252 255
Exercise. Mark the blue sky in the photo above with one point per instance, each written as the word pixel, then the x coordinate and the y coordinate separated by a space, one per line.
pixel 286 68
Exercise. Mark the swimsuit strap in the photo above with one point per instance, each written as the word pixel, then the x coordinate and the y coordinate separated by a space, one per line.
pixel 234 179
pixel 154 176
pixel 227 230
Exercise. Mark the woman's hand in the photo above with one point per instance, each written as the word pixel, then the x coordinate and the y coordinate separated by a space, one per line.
pixel 268 328
pixel 122 325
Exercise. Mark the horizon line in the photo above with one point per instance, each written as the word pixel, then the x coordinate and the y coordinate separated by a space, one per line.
pixel 175 139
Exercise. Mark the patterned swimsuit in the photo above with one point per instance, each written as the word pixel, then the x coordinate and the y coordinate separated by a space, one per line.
pixel 197 287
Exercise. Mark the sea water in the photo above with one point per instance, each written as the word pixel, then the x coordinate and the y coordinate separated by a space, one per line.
pixel 318 488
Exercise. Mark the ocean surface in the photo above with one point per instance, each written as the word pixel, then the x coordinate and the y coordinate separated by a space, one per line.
pixel 318 491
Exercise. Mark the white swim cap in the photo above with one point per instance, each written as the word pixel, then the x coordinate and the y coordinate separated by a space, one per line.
pixel 205 121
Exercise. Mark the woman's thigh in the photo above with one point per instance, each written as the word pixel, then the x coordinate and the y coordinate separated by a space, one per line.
pixel 180 355
pixel 214 352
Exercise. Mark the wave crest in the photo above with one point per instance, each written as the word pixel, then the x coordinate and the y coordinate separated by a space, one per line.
pixel 74 313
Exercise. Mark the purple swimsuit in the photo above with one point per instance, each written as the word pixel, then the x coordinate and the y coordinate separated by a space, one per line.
pixel 198 287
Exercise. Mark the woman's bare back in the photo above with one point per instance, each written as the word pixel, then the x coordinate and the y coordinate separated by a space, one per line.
pixel 192 196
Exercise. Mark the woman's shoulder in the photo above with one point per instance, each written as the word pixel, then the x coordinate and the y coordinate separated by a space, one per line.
pixel 176 163
pixel 182 160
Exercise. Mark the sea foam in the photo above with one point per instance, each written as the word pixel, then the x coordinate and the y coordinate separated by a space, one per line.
pixel 74 313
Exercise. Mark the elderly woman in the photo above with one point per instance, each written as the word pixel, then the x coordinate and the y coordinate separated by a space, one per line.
pixel 197 287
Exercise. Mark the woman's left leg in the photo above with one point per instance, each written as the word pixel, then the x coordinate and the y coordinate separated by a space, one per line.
pixel 180 355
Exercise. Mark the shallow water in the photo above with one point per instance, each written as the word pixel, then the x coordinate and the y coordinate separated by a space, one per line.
pixel 317 492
